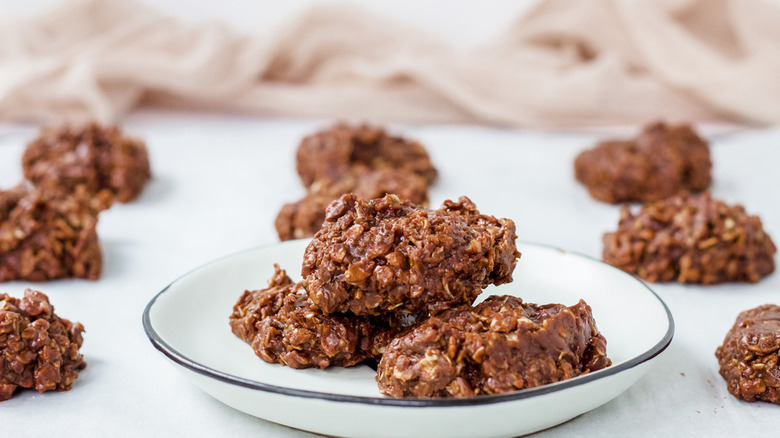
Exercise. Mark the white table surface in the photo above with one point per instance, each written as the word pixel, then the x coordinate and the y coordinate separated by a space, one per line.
pixel 218 184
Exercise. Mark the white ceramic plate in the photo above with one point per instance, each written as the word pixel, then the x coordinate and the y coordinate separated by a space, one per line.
pixel 188 323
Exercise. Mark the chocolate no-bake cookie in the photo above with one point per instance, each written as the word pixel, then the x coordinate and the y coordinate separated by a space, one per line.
pixel 661 162
pixel 331 153
pixel 691 239
pixel 38 349
pixel 93 156
pixel 44 238
pixel 750 355
pixel 304 218
pixel 283 326
pixel 385 254
pixel 500 345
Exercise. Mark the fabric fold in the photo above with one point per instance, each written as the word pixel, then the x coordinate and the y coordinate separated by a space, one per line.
pixel 564 64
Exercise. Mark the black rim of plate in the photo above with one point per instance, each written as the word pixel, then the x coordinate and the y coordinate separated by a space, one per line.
pixel 199 368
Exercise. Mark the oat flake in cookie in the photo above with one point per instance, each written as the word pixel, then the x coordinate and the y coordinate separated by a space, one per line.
pixel 691 239
pixel 750 355
pixel 44 238
pixel 283 326
pixel 661 162
pixel 93 156
pixel 38 349
pixel 500 345
pixel 385 254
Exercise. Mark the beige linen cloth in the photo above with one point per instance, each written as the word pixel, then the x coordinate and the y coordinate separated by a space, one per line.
pixel 565 64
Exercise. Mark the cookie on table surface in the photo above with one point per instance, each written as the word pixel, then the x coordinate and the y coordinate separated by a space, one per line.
pixel 379 255
pixel 500 345
pixel 331 153
pixel 662 161
pixel 92 156
pixel 44 238
pixel 691 239
pixel 750 355
pixel 38 349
